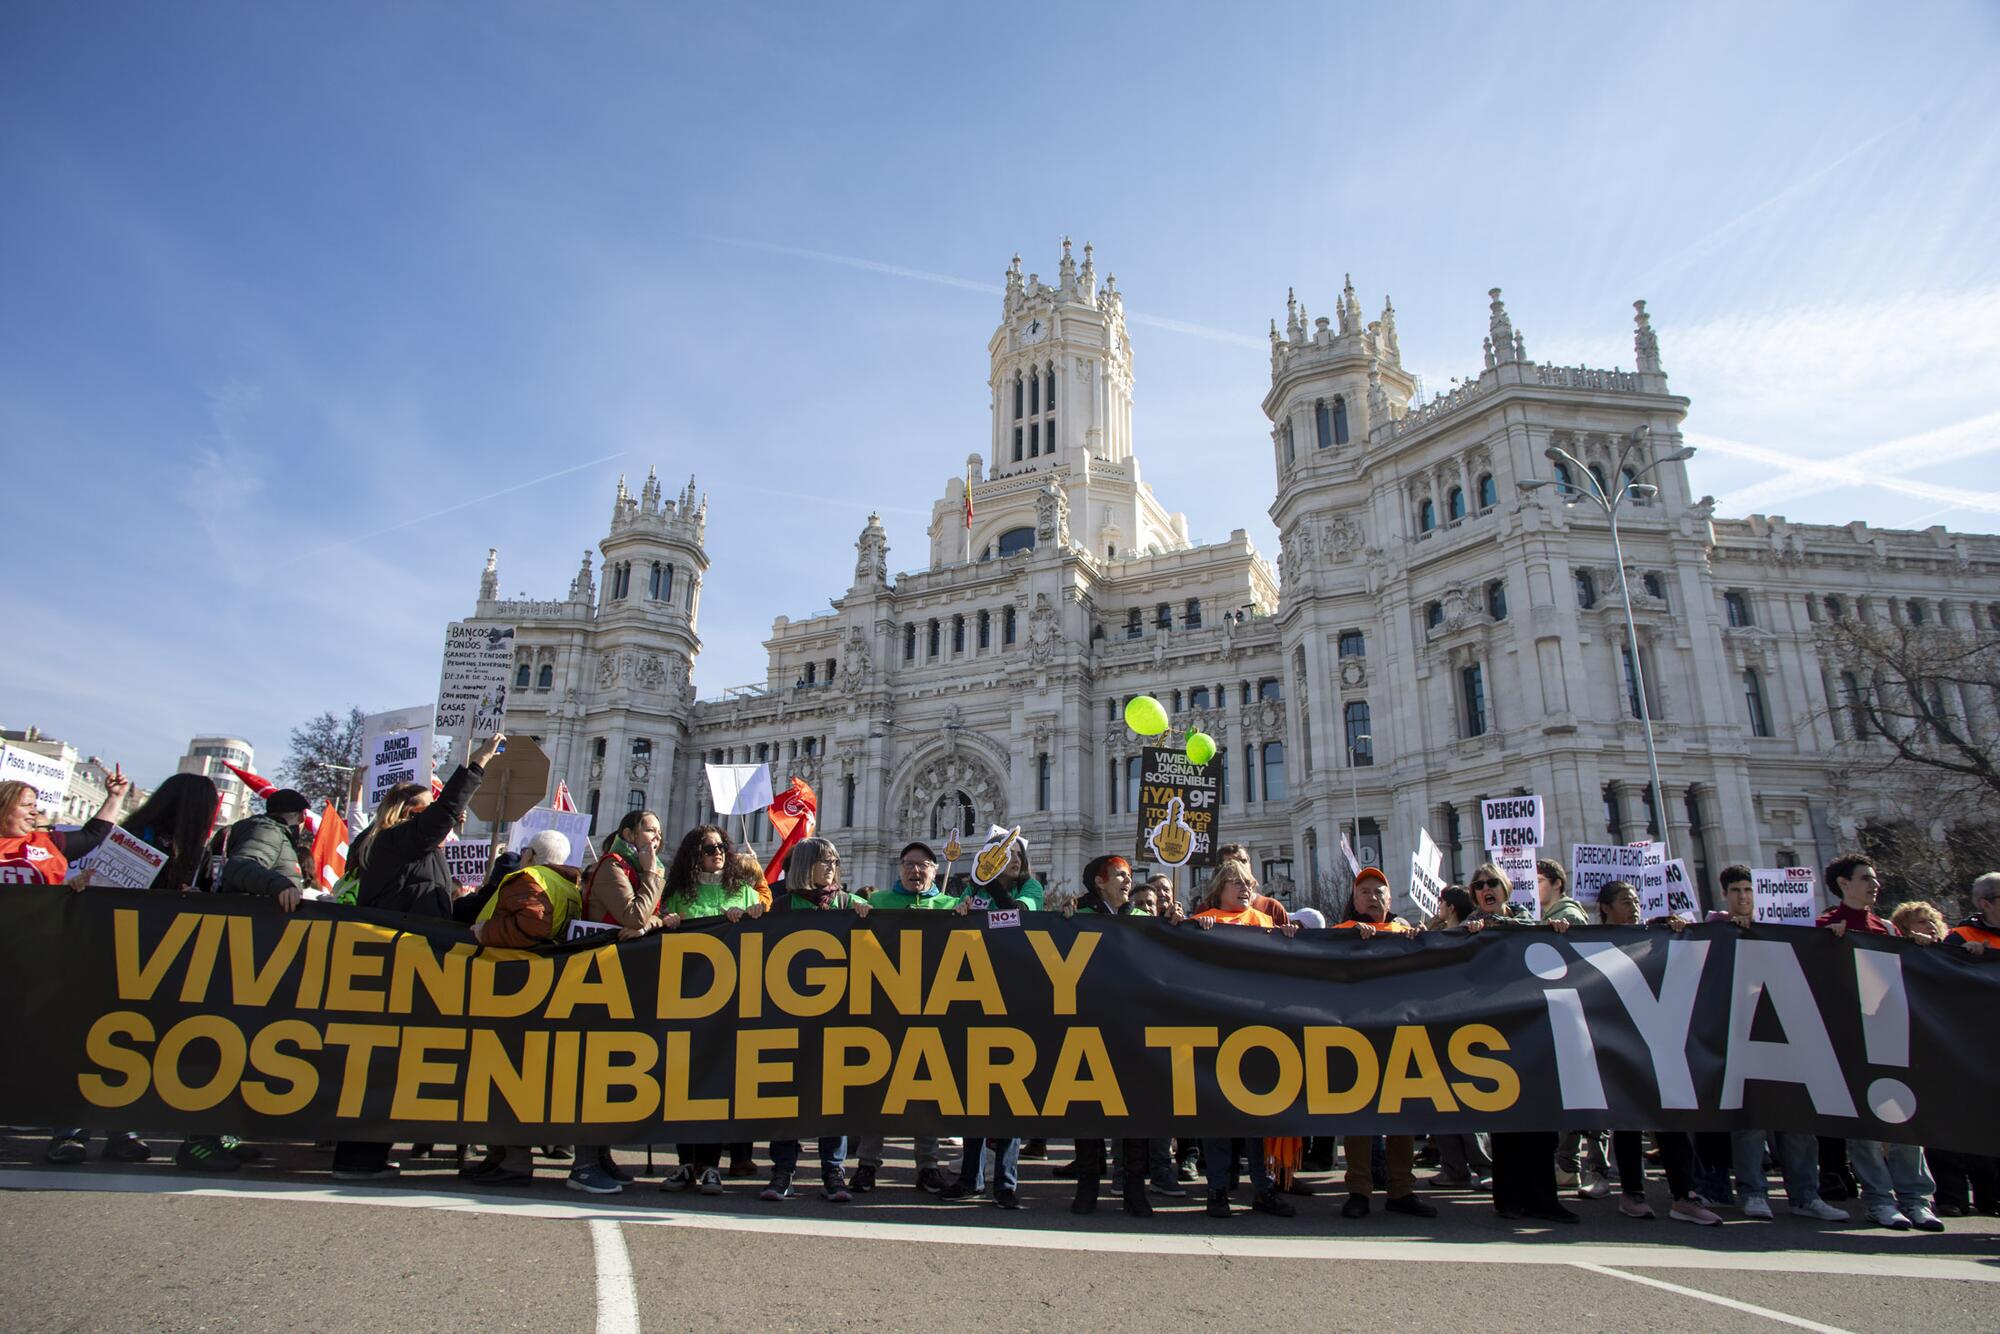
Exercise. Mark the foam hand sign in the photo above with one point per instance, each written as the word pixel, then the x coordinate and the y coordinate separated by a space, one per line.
pixel 1172 839
pixel 953 849
pixel 992 858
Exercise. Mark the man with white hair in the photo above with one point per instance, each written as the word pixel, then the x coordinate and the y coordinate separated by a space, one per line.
pixel 536 903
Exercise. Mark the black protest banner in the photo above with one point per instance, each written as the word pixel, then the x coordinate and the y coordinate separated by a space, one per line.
pixel 209 1014
pixel 1180 804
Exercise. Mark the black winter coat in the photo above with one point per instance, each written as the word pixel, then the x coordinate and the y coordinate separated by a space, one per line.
pixel 262 858
pixel 403 869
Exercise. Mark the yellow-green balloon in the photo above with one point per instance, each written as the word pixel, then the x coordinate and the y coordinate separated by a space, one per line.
pixel 1200 748
pixel 1145 716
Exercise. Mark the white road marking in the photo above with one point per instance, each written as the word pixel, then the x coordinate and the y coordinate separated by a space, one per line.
pixel 617 1298
pixel 1892 1261
pixel 1730 1302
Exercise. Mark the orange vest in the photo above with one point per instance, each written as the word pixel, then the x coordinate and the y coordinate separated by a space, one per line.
pixel 1248 917
pixel 1978 931
pixel 1390 925
pixel 32 859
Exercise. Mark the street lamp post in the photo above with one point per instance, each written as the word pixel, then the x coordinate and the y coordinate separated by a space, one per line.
pixel 1587 487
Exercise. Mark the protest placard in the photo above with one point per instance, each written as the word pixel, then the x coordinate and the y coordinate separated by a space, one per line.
pixel 1656 853
pixel 579 929
pixel 1785 895
pixel 1179 808
pixel 1594 865
pixel 574 825
pixel 1519 864
pixel 1424 887
pixel 1512 822
pixel 1347 851
pixel 49 777
pixel 395 748
pixel 122 861
pixel 739 789
pixel 1666 891
pixel 468 859
pixel 1429 856
pixel 472 686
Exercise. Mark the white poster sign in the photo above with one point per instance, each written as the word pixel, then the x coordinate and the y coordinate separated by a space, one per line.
pixel 395 748
pixel 1592 866
pixel 49 778
pixel 1353 862
pixel 1424 888
pixel 1785 895
pixel 468 859
pixel 1428 854
pixel 122 861
pixel 1512 822
pixel 573 824
pixel 1666 891
pixel 1519 864
pixel 472 687
pixel 1656 853
pixel 739 789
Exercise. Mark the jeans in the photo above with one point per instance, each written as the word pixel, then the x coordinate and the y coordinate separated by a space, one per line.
pixel 868 1148
pixel 832 1153
pixel 1218 1154
pixel 1006 1164
pixel 1465 1156
pixel 1891 1175
pixel 1798 1162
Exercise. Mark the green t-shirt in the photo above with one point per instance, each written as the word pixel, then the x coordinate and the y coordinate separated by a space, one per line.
pixel 1028 894
pixel 898 899
pixel 711 900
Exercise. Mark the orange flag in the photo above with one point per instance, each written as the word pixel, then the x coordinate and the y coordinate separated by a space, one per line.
pixel 329 850
pixel 794 815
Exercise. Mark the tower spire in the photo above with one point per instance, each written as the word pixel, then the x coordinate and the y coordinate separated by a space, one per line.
pixel 489 578
pixel 1500 328
pixel 1645 342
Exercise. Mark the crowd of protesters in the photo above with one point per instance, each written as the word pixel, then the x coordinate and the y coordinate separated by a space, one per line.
pixel 532 896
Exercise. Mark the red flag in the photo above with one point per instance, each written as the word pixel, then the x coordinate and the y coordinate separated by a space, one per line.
pixel 259 787
pixel 563 801
pixel 968 502
pixel 794 815
pixel 329 849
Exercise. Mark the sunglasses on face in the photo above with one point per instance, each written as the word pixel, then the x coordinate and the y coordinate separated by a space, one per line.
pixel 1486 884
pixel 707 848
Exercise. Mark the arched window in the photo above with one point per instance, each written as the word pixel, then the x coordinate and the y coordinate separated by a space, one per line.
pixel 1427 516
pixel 1489 494
pixel 1285 435
pixel 958 634
pixel 1565 480
pixel 1597 476
pixel 1916 612
pixel 1628 478
pixel 1322 423
pixel 812 673
pixel 1360 741
pixel 1339 420
pixel 1015 539
pixel 1455 503
pixel 1007 626
pixel 1736 611
pixel 521 676
pixel 909 643
pixel 986 629
pixel 1035 393
pixel 1496 599
pixel 1654 588
pixel 546 680
pixel 1434 615
pixel 666 593
pixel 1274 771
pixel 1753 696
pixel 1163 616
pixel 1833 607
pixel 952 814
pixel 933 645
pixel 653 581
pixel 1586 590
pixel 1018 391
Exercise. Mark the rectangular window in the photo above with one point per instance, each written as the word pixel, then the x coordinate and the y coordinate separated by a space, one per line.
pixel 1017 444
pixel 1007 626
pixel 1249 773
pixel 1753 696
pixel 1353 644
pixel 1269 688
pixel 1034 439
pixel 1131 782
pixel 847 802
pixel 1043 776
pixel 1274 771
pixel 1191 618
pixel 1473 683
pixel 1111 787
pixel 1135 624
pixel 934 639
pixel 958 634
pixel 986 629
pixel 1163 616
pixel 909 643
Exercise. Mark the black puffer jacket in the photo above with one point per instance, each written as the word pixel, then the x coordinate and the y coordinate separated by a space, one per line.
pixel 402 868
pixel 262 858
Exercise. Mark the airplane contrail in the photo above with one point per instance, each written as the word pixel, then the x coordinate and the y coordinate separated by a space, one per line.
pixel 1862 468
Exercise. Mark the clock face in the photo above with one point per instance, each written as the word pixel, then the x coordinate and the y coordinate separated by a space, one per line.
pixel 1036 331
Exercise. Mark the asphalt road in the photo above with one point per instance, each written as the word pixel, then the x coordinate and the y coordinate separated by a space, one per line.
pixel 282 1246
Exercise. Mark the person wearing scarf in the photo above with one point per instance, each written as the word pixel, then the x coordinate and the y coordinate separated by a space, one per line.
pixel 626 884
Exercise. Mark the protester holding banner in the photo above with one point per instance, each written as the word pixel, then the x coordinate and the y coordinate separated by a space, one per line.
pixel 1108 891
pixel 176 820
pixel 1981 931
pixel 625 886
pixel 1492 903
pixel 700 882
pixel 812 884
pixel 1919 921
pixel 535 904
pixel 1559 910
pixel 31 856
pixel 1263 903
pixel 1368 906
pixel 263 852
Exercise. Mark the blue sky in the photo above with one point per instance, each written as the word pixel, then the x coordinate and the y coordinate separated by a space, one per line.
pixel 305 306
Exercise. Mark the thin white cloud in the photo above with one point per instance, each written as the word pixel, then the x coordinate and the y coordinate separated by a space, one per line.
pixel 1882 465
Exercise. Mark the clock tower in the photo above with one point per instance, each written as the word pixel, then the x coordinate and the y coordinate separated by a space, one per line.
pixel 1061 370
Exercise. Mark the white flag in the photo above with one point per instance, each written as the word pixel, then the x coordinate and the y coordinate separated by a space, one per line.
pixel 739 789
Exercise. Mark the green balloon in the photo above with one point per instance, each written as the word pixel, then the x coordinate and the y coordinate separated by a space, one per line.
pixel 1145 716
pixel 1200 747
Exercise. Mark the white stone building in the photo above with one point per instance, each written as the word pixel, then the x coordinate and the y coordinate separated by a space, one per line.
pixel 1472 633
pixel 210 755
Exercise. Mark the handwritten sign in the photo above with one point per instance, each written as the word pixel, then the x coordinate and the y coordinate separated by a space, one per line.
pixel 1429 855
pixel 1666 891
pixel 1425 888
pixel 49 778
pixel 1519 864
pixel 1512 822
pixel 1179 807
pixel 122 861
pixel 1785 895
pixel 472 686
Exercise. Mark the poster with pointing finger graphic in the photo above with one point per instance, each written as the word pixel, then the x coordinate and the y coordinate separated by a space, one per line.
pixel 1179 809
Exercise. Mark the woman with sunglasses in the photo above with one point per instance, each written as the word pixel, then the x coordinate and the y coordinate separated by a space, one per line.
pixel 812 884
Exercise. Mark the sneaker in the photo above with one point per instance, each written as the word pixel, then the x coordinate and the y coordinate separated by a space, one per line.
pixel 127 1147
pixel 1566 1180
pixel 66 1150
pixel 1821 1210
pixel 931 1179
pixel 1923 1220
pixel 1756 1206
pixel 1593 1186
pixel 388 1172
pixel 1169 1188
pixel 863 1180
pixel 711 1181
pixel 1412 1206
pixel 1449 1181
pixel 621 1175
pixel 1218 1204
pixel 1356 1207
pixel 562 1153
pixel 592 1179
pixel 245 1153
pixel 1483 1182
pixel 678 1179
pixel 779 1189
pixel 1889 1216
pixel 1269 1202
pixel 1007 1199
pixel 958 1190
pixel 835 1191
pixel 205 1153
pixel 1185 1171
pixel 1634 1207
pixel 1691 1210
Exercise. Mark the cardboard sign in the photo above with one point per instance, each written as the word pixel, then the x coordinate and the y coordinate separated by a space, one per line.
pixel 1425 888
pixel 1785 895
pixel 1179 808
pixel 1429 856
pixel 468 859
pixel 472 686
pixel 575 825
pixel 1519 864
pixel 49 778
pixel 121 861
pixel 1353 862
pixel 582 930
pixel 1592 866
pixel 395 748
pixel 1512 822
pixel 1666 891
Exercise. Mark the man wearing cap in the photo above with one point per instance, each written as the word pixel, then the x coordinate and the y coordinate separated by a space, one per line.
pixel 1367 915
pixel 263 851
